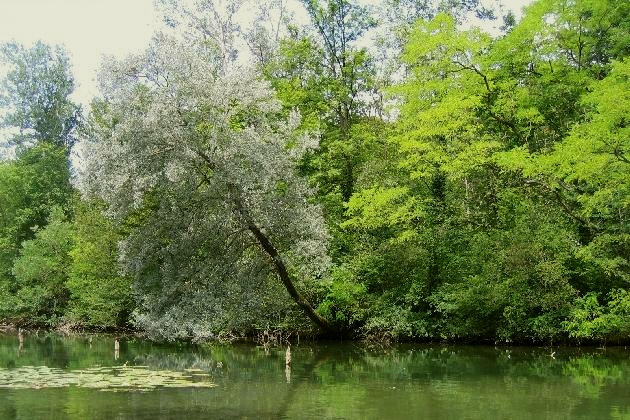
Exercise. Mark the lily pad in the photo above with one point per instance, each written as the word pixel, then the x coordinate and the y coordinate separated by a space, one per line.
pixel 115 378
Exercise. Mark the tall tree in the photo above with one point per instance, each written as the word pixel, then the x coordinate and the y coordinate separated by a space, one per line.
pixel 324 71
pixel 514 179
pixel 35 95
pixel 202 169
pixel 347 75
pixel 34 99
pixel 37 111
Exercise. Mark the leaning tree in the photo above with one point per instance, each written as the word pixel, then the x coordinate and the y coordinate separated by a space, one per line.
pixel 199 165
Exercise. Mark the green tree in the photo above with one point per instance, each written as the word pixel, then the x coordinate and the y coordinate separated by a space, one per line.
pixel 35 187
pixel 588 173
pixel 485 237
pixel 330 80
pixel 582 169
pixel 99 295
pixel 41 271
pixel 34 95
pixel 473 108
pixel 30 187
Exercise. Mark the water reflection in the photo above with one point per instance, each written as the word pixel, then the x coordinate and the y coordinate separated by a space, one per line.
pixel 328 380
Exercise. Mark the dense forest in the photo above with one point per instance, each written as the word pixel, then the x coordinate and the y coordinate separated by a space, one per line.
pixel 388 172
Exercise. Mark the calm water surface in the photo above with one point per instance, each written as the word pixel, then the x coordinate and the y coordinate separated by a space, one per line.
pixel 325 381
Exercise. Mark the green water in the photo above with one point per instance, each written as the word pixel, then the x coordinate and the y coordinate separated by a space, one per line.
pixel 325 381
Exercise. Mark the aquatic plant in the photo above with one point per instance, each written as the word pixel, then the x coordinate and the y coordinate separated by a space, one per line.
pixel 116 378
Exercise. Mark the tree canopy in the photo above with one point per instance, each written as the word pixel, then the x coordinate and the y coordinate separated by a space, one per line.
pixel 453 185
pixel 201 169
pixel 35 95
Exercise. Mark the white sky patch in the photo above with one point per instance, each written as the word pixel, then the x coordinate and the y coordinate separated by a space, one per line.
pixel 88 29
pixel 515 6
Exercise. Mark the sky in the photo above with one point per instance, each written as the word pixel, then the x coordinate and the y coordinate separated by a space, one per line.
pixel 90 29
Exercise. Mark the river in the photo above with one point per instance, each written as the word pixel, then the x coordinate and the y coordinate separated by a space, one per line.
pixel 48 376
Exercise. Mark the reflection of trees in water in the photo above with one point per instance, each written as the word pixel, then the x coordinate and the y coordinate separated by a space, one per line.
pixel 333 362
pixel 340 376
pixel 174 361
pixel 592 373
pixel 340 380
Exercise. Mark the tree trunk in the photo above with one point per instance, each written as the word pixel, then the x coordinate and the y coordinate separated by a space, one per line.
pixel 279 265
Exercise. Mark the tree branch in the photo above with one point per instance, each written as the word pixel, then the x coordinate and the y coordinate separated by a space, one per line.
pixel 476 70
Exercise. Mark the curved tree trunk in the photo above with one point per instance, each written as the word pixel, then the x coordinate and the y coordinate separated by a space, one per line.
pixel 279 265
pixel 281 269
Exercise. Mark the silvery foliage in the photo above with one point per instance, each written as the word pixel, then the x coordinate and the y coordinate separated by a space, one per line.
pixel 177 147
pixel 213 23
